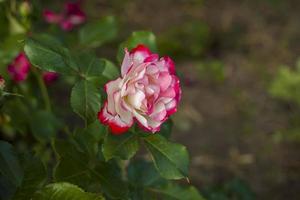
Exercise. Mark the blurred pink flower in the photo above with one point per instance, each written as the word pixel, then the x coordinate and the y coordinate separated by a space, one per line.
pixel 50 77
pixel 19 68
pixel 147 92
pixel 71 16
pixel 52 17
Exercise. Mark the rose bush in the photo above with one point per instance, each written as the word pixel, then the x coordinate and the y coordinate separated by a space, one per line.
pixel 147 92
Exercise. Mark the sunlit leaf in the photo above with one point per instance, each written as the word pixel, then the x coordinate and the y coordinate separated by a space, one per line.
pixel 65 191
pixel 138 37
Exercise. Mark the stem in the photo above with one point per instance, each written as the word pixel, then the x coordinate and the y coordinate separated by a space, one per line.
pixel 43 89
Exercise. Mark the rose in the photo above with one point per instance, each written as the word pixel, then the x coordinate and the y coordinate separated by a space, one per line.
pixel 71 16
pixel 19 68
pixel 147 92
pixel 50 77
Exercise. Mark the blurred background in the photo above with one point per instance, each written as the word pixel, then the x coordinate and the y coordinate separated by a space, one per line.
pixel 239 66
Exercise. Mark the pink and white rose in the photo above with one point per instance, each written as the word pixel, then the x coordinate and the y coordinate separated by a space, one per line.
pixel 19 68
pixel 147 92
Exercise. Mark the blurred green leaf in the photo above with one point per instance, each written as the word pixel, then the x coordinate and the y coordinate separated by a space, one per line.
pixel 111 181
pixel 86 101
pixel 49 56
pixel 10 47
pixel 176 192
pixel 96 33
pixel 170 159
pixel 286 85
pixel 65 191
pixel 120 146
pixel 212 71
pixel 232 189
pixel 34 176
pixel 138 37
pixel 73 164
pixel 142 173
pixel 15 27
pixel 44 125
pixel 111 71
pixel 196 36
pixel 9 164
pixel 75 167
pixel 90 137
pixel 146 182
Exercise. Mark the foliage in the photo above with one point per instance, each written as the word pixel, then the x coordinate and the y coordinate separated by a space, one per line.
pixel 285 85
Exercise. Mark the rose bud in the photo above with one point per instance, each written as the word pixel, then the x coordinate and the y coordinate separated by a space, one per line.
pixel 2 83
pixel 50 77
pixel 19 68
pixel 52 17
pixel 147 92
pixel 71 16
pixel 25 8
pixel 74 14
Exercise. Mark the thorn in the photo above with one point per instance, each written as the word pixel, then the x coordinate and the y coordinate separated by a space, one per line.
pixel 188 180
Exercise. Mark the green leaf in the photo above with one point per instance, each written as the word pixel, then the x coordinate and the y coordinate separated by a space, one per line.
pixel 96 33
pixel 120 146
pixel 138 37
pixel 170 159
pixel 85 100
pixel 73 164
pixel 49 56
pixel 75 167
pixel 89 65
pixel 65 191
pixel 90 137
pixel 34 176
pixel 10 47
pixel 166 129
pixel 110 71
pixel 176 192
pixel 142 173
pixel 44 125
pixel 111 182
pixel 10 167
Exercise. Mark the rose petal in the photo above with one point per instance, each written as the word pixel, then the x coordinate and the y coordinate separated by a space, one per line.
pixel 116 125
pixel 140 53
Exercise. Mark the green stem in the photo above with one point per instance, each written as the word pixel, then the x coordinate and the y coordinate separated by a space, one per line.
pixel 43 89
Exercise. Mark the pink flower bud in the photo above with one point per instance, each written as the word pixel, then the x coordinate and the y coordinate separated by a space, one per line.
pixel 71 16
pixel 51 17
pixel 19 68
pixel 147 92
pixel 50 77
